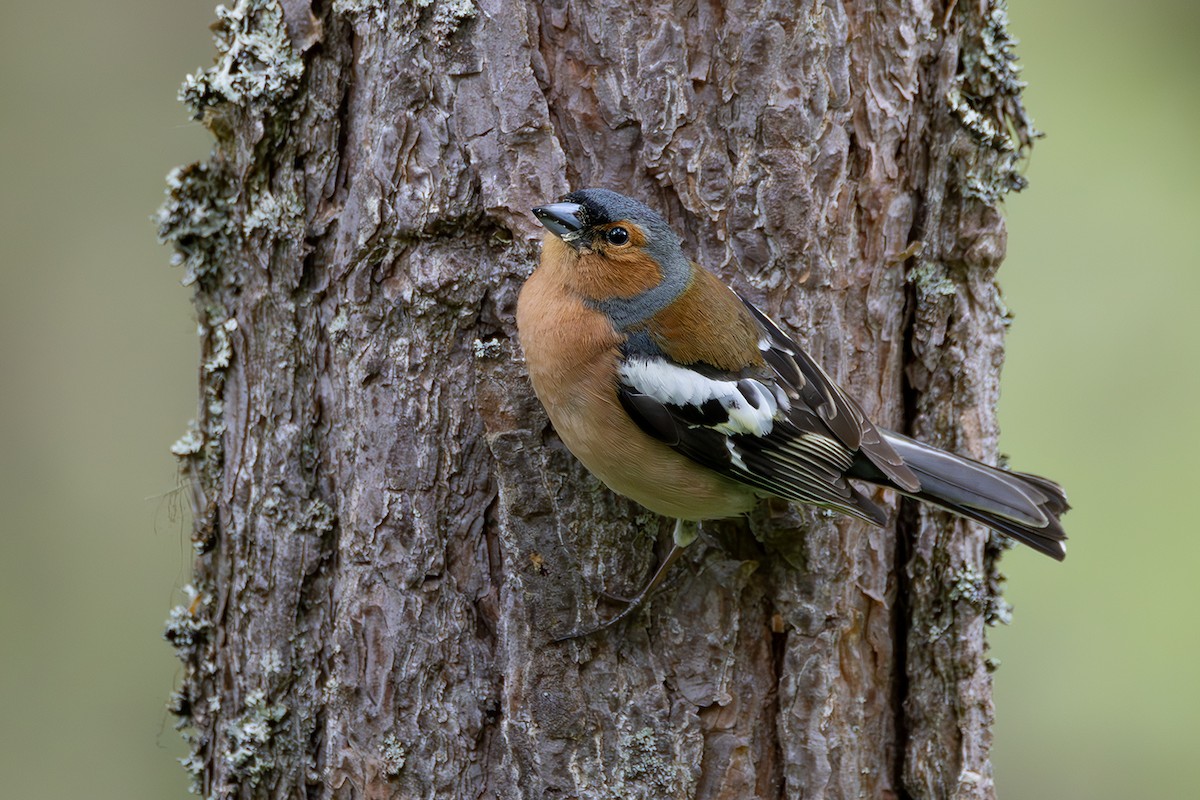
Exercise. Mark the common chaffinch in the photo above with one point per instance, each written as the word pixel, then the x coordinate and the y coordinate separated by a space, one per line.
pixel 683 396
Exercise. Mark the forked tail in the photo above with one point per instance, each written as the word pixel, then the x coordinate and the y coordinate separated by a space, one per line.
pixel 1025 507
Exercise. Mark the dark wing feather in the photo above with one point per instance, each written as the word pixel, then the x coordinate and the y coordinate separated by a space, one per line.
pixel 789 431
pixel 750 459
pixel 819 393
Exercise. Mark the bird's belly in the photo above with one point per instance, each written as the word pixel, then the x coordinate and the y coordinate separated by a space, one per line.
pixel 631 463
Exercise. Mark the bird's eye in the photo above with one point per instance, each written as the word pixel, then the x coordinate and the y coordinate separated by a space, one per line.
pixel 616 236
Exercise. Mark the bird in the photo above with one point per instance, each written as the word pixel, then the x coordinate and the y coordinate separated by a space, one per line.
pixel 680 394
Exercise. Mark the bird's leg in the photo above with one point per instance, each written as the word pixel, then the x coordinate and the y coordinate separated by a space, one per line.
pixel 685 533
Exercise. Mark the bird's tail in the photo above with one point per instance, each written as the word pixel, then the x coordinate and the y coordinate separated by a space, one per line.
pixel 1025 507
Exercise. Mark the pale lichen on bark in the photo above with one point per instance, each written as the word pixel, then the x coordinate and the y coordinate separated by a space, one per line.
pixel 388 532
pixel 256 66
pixel 957 349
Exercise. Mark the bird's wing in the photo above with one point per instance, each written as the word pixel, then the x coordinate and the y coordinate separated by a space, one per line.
pixel 783 426
pixel 837 409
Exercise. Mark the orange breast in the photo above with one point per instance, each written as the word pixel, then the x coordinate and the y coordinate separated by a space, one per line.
pixel 571 352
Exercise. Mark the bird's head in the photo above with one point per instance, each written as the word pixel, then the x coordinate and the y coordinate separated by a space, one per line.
pixel 609 247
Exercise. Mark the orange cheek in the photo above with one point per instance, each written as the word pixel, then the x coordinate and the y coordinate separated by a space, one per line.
pixel 621 273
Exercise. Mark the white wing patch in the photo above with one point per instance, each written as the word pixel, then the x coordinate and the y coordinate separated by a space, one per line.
pixel 735 457
pixel 750 406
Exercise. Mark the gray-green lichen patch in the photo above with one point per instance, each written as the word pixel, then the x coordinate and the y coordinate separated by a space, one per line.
pixel 278 213
pixel 247 754
pixel 448 15
pixel 996 60
pixel 394 755
pixel 998 611
pixel 193 763
pixel 366 11
pixel 256 66
pixel 969 586
pixel 188 629
pixel 271 662
pixel 641 760
pixel 196 219
pixel 316 516
pixel 220 351
pixel 931 278
pixel 491 348
pixel 986 99
pixel 200 447
pixel 188 625
pixel 983 590
pixel 977 185
pixel 190 443
pixel 986 129
pixel 313 516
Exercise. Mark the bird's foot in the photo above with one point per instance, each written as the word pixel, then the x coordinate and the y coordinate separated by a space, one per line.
pixel 632 604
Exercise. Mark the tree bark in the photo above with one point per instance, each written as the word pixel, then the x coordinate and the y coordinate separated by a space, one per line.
pixel 387 530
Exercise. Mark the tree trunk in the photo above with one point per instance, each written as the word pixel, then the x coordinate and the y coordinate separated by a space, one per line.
pixel 388 532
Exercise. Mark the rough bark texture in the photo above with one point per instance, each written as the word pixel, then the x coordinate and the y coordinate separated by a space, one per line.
pixel 388 532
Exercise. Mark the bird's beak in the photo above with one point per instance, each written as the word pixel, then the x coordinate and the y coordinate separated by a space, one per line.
pixel 561 219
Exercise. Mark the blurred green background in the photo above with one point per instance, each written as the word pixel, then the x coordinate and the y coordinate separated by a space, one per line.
pixel 1097 695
